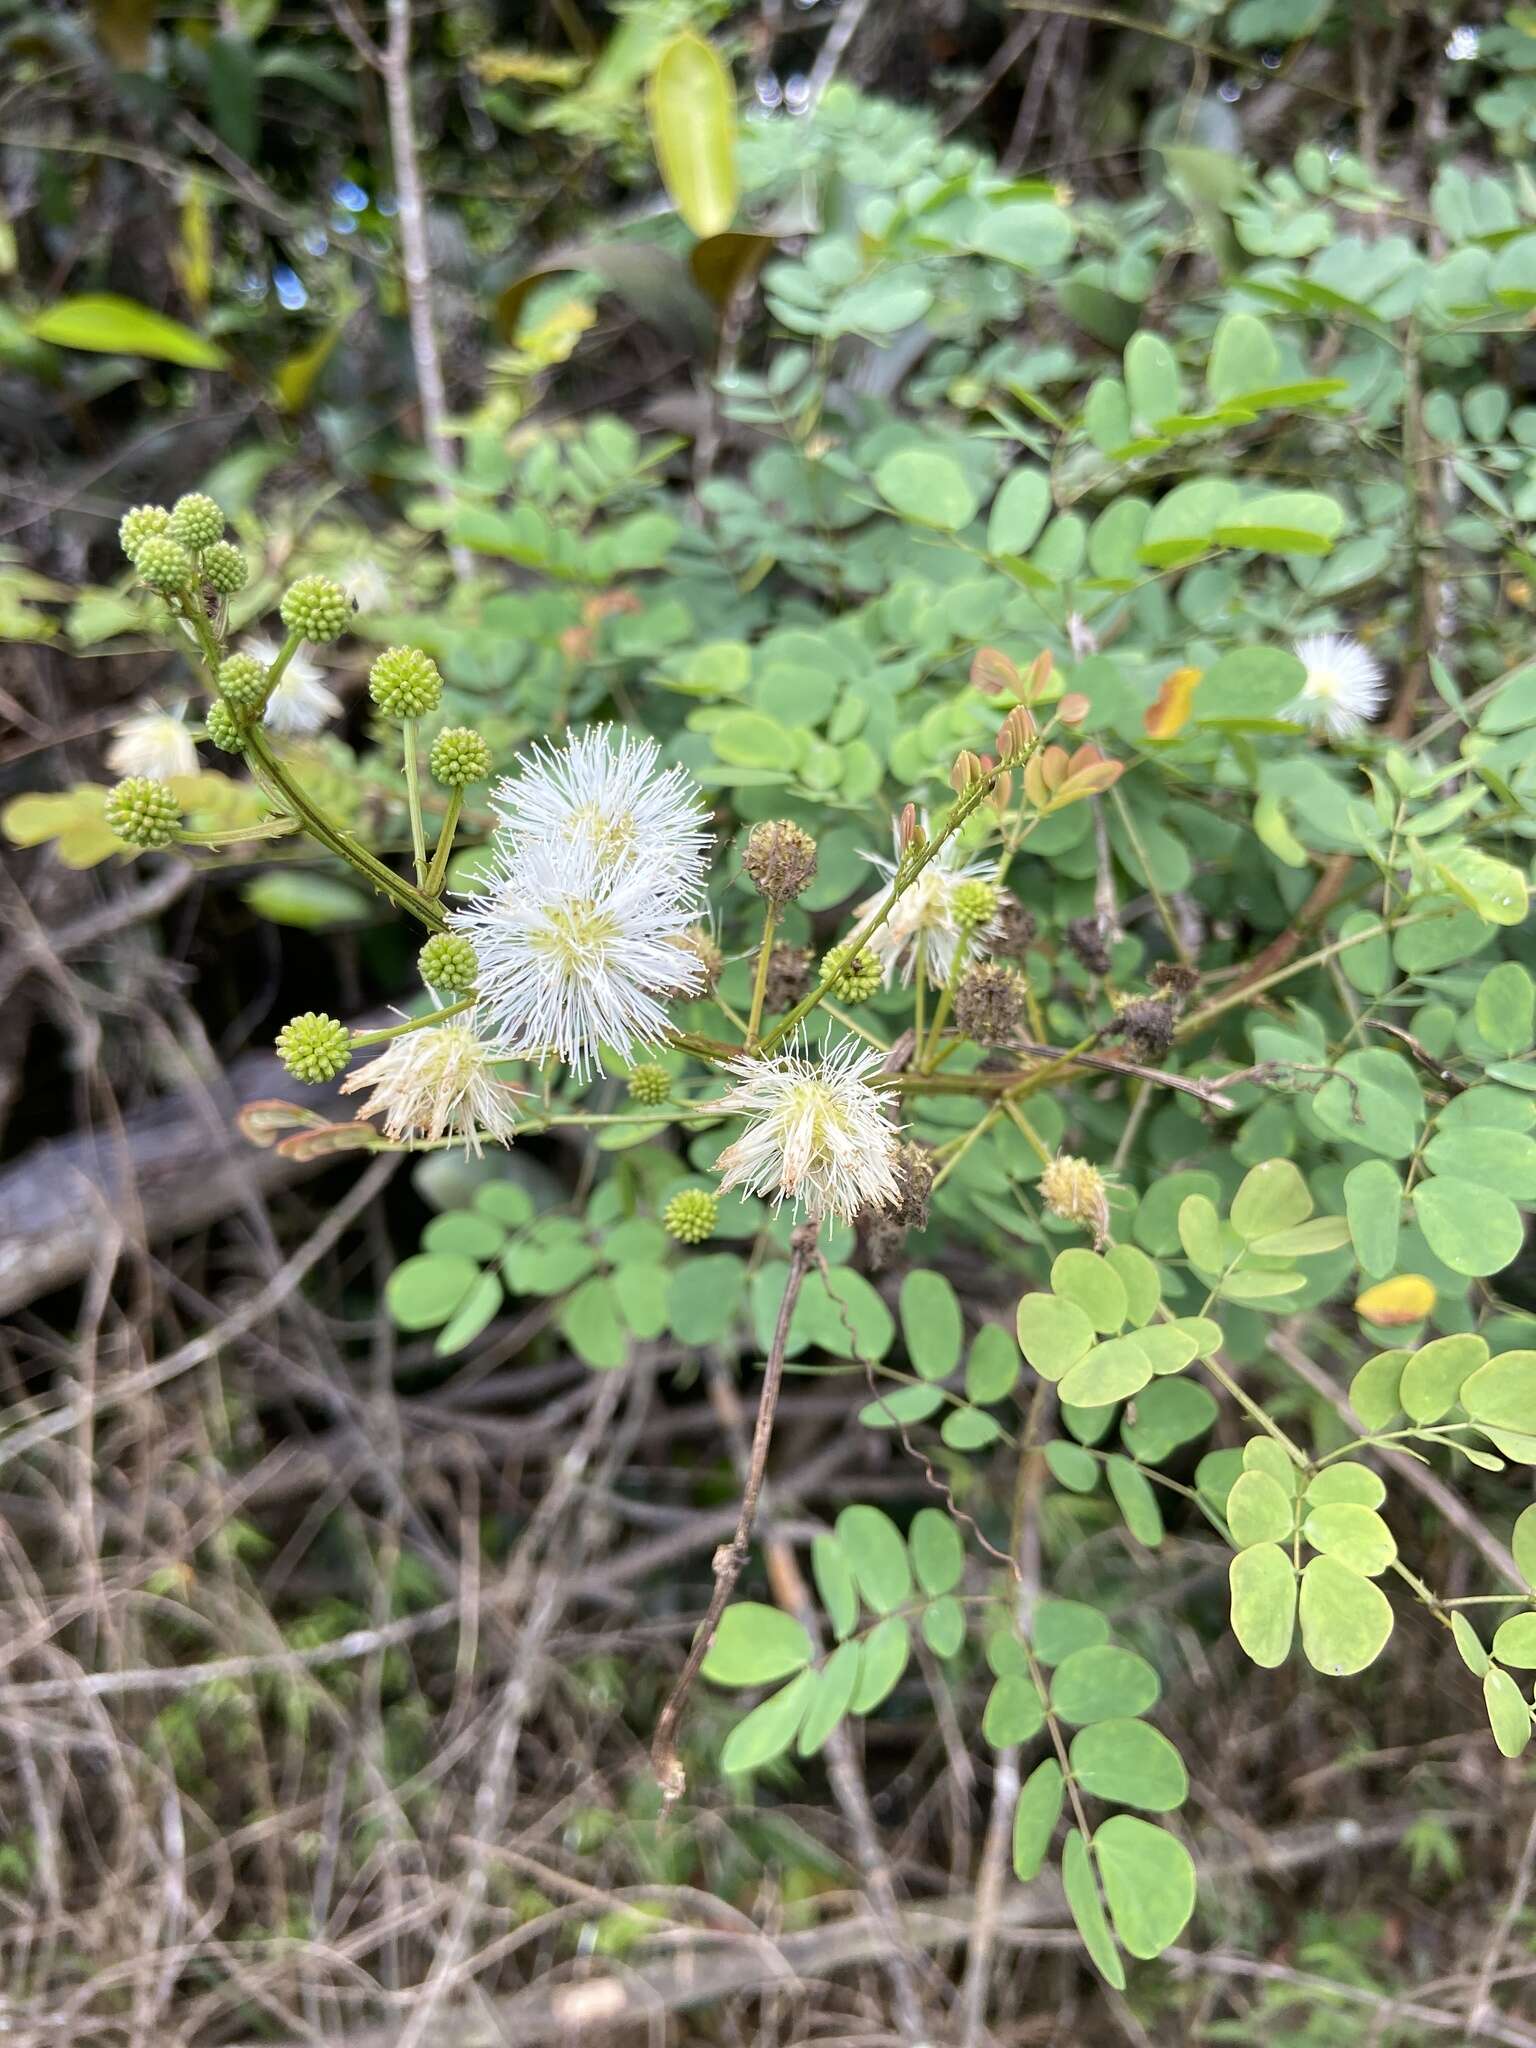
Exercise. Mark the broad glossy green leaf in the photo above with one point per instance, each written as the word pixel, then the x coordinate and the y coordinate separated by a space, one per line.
pixel 1468 1228
pixel 1505 1009
pixel 1514 1642
pixel 1523 1543
pixel 1110 1372
pixel 1503 1392
pixel 1345 1481
pixel 1018 512
pixel 886 1650
pixel 1149 1882
pixel 770 1728
pixel 754 1645
pixel 1433 1375
pixel 992 1367
pixel 1345 1619
pixel 877 1555
pixel 1014 1712
pixel 1373 1203
pixel 834 1583
pixel 1087 1280
pixel 1131 1764
pixel 1139 1276
pixel 1273 1197
pixel 691 104
pixel 1503 1161
pixel 104 324
pixel 1259 1510
pixel 1263 1587
pixel 1164 1416
pixel 1040 1801
pixel 928 488
pixel 938 1553
pixel 1053 1334
pixel 1509 1713
pixel 931 1324
pixel 1136 1500
pixel 1087 1910
pixel 1103 1683
pixel 831 1698
pixel 424 1291
pixel 1355 1535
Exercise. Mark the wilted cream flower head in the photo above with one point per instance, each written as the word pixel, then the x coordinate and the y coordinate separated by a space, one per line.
pixel 575 954
pixel 924 917
pixel 302 701
pixel 1076 1191
pixel 817 1134
pixel 154 742
pixel 438 1083
pixel 603 792
pixel 1344 689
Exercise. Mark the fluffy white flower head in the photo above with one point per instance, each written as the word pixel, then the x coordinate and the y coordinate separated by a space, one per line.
pixel 302 701
pixel 923 919
pixel 152 742
pixel 1344 689
pixel 438 1083
pixel 575 955
pixel 817 1133
pixel 603 793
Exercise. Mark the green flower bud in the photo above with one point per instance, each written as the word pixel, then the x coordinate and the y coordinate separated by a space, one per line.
pixel 459 757
pixel 975 903
pixel 405 683
pixel 144 522
pixel 854 975
pixel 143 812
pixel 226 568
pixel 449 964
pixel 243 681
pixel 690 1216
pixel 196 521
pixel 316 608
pixel 164 564
pixel 223 726
pixel 314 1047
pixel 649 1085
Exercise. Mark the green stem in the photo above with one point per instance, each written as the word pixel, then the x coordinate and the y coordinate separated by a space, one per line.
pixel 413 799
pixel 361 1039
pixel 241 835
pixel 1037 1144
pixel 1253 989
pixel 760 981
pixel 433 885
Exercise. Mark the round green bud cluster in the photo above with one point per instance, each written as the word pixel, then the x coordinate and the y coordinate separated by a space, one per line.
pixel 405 683
pixel 144 522
pixel 314 1047
pixel 459 757
pixel 164 564
pixel 975 903
pixel 224 727
pixel 316 608
pixel 196 521
pixel 448 963
pixel 855 975
pixel 243 682
pixel 649 1085
pixel 226 568
pixel 690 1216
pixel 143 812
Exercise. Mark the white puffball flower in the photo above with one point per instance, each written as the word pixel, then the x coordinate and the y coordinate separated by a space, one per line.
pixel 817 1134
pixel 154 742
pixel 923 917
pixel 603 791
pixel 1344 689
pixel 574 955
pixel 301 700
pixel 438 1083
pixel 366 584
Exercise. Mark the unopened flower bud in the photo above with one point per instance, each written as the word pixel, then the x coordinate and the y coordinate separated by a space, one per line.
pixel 405 683
pixel 909 830
pixel 967 769
pixel 196 521
pixel 224 727
pixel 781 859
pixel 989 1002
pixel 1015 734
pixel 143 812
pixel 449 964
pixel 1086 943
pixel 690 1216
pixel 855 975
pixel 243 683
pixel 459 757
pixel 1038 679
pixel 144 522
pixel 164 565
pixel 314 1047
pixel 225 567
pixel 649 1085
pixel 316 608
pixel 788 979
pixel 1075 1192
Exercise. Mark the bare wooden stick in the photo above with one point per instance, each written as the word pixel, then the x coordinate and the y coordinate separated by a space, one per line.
pixel 731 1557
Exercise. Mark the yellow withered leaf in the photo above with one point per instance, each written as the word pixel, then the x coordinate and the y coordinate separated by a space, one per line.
pixel 1405 1298
pixel 1169 712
